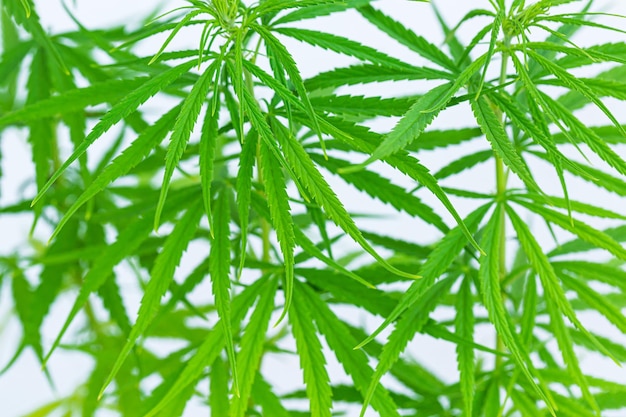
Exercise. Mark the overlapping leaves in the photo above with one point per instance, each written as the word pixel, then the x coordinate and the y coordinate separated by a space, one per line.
pixel 279 243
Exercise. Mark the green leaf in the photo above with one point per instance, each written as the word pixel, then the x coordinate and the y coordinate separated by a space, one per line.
pixel 434 139
pixel 556 302
pixel 362 106
pixel 340 341
pixel 110 91
pixel 439 260
pixel 593 271
pixel 408 38
pixel 278 201
pixel 578 131
pixel 219 269
pixel 161 276
pixel 410 323
pixel 420 115
pixel 126 244
pixel 489 277
pixel 252 348
pixel 384 190
pixel 244 186
pixel 596 301
pixel 208 149
pixel 127 160
pixel 125 107
pixel 211 347
pixel 309 247
pixel 344 46
pixel 410 126
pixel 495 31
pixel 183 127
pixel 285 59
pixel 325 8
pixel 577 227
pixel 264 395
pixel 41 129
pixel 371 73
pixel 312 360
pixel 323 194
pixel 373 300
pixel 464 326
pixel 573 205
pixel 464 163
pixel 500 143
pixel 575 84
pixel 365 143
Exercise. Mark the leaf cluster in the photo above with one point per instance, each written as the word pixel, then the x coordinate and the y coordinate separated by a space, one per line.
pixel 234 182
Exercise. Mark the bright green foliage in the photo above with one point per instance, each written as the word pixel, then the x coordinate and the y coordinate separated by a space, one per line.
pixel 219 187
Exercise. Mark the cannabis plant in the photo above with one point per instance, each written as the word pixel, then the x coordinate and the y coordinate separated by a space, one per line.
pixel 222 190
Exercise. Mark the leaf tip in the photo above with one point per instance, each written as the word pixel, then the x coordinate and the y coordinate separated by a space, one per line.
pixel 360 345
pixel 352 169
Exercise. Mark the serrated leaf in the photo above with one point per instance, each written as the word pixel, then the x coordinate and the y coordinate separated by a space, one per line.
pixel 125 107
pixel 410 323
pixel 322 193
pixel 384 190
pixel 244 186
pixel 407 37
pixel 312 361
pixel 577 227
pixel 363 141
pixel 127 160
pixel 309 247
pixel 363 106
pixel 574 205
pixel 208 148
pixel 421 114
pixel 252 348
pixel 500 143
pixel 373 300
pixel 185 121
pixel 211 347
pixel 464 163
pixel 437 263
pixel 556 303
pixel 411 125
pixel 324 8
pixel 596 301
pixel 371 73
pixel 278 201
pixel 344 46
pixel 489 278
pixel 126 243
pixel 592 271
pixel 219 269
pixel 161 276
pixel 109 91
pixel 575 84
pixel 282 55
pixel 340 341
pixel 578 131
pixel 264 395
pixel 464 326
